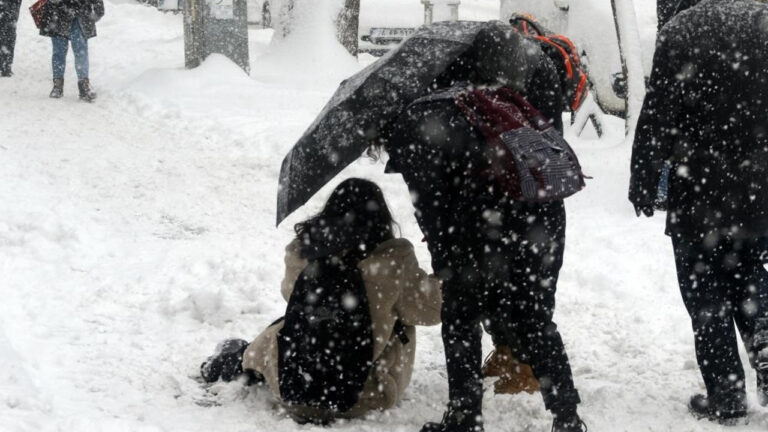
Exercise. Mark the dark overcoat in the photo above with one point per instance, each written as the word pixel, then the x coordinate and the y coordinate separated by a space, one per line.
pixel 441 171
pixel 499 258
pixel 666 9
pixel 706 112
pixel 59 14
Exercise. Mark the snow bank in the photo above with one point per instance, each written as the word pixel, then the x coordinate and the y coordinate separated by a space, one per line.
pixel 20 398
pixel 216 81
pixel 310 55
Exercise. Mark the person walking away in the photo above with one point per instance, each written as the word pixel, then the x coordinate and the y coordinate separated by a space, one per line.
pixel 9 16
pixel 499 259
pixel 400 296
pixel 705 115
pixel 71 22
pixel 666 9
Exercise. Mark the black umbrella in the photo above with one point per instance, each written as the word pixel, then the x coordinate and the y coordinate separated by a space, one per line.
pixel 482 52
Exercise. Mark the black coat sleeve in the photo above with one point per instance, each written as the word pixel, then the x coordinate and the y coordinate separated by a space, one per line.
pixel 658 124
pixel 544 91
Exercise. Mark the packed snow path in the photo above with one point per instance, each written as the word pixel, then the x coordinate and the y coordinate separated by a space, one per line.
pixel 137 232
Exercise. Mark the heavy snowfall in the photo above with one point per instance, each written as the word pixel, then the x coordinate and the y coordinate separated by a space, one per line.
pixel 138 231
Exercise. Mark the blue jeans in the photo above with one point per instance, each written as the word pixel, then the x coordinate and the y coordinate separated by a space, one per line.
pixel 79 46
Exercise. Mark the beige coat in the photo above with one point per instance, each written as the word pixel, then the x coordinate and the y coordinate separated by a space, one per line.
pixel 397 289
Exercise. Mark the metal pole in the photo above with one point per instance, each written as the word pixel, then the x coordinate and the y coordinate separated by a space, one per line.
pixel 428 11
pixel 194 44
pixel 631 61
pixel 454 7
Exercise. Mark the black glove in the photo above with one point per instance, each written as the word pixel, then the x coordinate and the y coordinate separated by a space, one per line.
pixel 646 209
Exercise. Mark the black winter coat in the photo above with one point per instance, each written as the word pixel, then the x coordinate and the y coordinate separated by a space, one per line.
pixel 59 14
pixel 666 9
pixel 706 112
pixel 440 156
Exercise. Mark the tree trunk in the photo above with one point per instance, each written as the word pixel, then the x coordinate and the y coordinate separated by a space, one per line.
pixel 347 25
pixel 285 19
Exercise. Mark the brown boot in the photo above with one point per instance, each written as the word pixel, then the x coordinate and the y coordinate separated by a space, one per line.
pixel 58 88
pixel 86 94
pixel 498 362
pixel 515 377
pixel 519 378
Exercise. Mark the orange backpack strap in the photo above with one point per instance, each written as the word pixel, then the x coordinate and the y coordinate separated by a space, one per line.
pixel 577 85
pixel 527 25
pixel 563 52
pixel 582 90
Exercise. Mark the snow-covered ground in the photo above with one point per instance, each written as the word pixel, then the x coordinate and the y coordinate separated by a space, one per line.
pixel 137 232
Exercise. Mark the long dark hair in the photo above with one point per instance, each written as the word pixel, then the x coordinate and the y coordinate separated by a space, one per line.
pixel 354 221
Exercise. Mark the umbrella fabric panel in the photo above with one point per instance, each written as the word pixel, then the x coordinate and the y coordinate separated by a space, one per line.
pixel 366 102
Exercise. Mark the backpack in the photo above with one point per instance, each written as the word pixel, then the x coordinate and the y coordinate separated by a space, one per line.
pixel 325 348
pixel 36 10
pixel 560 49
pixel 528 158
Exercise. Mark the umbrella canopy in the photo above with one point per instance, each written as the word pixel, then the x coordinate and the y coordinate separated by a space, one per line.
pixel 481 52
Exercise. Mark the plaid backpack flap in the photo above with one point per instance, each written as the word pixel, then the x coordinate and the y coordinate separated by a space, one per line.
pixel 562 50
pixel 547 166
pixel 528 158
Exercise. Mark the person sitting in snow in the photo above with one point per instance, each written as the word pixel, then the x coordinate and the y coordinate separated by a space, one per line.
pixel 355 229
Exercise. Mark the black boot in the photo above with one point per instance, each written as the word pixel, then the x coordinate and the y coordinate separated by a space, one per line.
pixel 86 94
pixel 762 375
pixel 572 425
pixel 567 420
pixel 725 413
pixel 5 67
pixel 457 420
pixel 58 88
pixel 226 362
pixel 762 388
pixel 761 348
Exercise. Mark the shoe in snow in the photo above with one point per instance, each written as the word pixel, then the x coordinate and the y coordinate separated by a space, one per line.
pixel 457 420
pixel 761 362
pixel 58 88
pixel 86 94
pixel 571 423
pixel 762 388
pixel 726 414
pixel 498 362
pixel 761 367
pixel 226 362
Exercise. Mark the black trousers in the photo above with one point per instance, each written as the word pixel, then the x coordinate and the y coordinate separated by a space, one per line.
pixel 724 287
pixel 499 260
pixel 9 15
pixel 506 277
